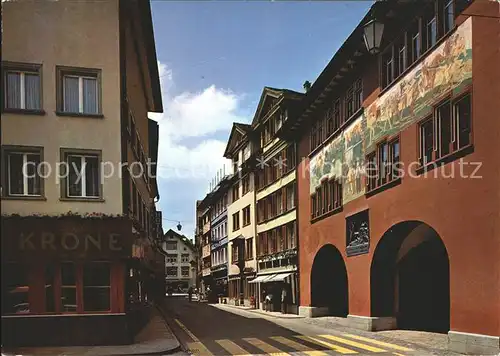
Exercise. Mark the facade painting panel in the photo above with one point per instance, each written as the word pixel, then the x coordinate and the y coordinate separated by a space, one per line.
pixel 354 157
pixel 449 67
pixel 327 163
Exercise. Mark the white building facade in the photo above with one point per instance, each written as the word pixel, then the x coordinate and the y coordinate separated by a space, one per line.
pixel 180 262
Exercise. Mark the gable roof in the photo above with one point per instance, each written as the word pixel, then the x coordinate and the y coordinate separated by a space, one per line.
pixel 238 128
pixel 183 238
pixel 269 92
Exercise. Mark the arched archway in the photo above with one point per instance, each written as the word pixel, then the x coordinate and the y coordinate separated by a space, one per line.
pixel 410 278
pixel 329 286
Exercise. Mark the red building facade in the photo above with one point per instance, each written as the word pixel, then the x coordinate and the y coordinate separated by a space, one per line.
pixel 398 180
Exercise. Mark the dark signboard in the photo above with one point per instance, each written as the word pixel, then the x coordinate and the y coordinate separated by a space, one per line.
pixel 70 237
pixel 357 233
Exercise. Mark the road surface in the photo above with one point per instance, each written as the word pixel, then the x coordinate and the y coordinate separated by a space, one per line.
pixel 204 329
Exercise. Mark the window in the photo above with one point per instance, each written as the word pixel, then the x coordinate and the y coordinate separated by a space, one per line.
pixel 22 87
pixel 68 287
pixel 79 91
pixel 430 28
pixel 327 198
pixel 383 164
pixel 96 286
pixel 426 142
pixel 414 42
pixel 185 271
pixel 15 289
pixel 400 54
pixel 330 128
pixel 246 216
pixel 22 176
pixel 246 152
pixel 172 271
pixel 236 221
pixel 246 184
pixel 290 158
pixel 185 258
pixel 448 15
pixel 448 131
pixel 337 119
pixel 387 67
pixel 236 192
pixel 290 235
pixel 290 196
pixel 249 248
pixel 234 253
pixel 83 174
pixel 171 258
pixel 171 245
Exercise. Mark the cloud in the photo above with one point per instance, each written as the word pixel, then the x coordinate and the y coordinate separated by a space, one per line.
pixel 190 148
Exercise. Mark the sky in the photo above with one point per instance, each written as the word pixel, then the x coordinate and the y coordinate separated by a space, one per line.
pixel 214 59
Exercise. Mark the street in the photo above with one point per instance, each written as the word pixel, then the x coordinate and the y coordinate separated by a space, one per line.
pixel 205 329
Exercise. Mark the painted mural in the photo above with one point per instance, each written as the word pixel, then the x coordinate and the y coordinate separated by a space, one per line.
pixel 354 157
pixel 327 163
pixel 449 67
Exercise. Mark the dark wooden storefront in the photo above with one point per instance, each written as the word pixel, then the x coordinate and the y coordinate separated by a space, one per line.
pixel 64 280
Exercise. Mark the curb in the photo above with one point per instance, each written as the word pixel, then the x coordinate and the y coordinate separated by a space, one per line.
pixel 256 311
pixel 174 349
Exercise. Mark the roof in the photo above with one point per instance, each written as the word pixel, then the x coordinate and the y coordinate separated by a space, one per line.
pixel 152 61
pixel 275 93
pixel 243 129
pixel 183 238
pixel 153 136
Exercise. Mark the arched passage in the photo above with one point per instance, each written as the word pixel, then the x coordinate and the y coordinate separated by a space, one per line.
pixel 410 278
pixel 329 286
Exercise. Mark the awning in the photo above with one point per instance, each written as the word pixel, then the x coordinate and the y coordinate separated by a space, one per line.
pixel 279 277
pixel 261 279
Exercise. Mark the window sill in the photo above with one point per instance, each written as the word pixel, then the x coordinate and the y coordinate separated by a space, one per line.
pixel 445 159
pixel 383 187
pixel 25 197
pixel 325 215
pixel 338 131
pixel 87 200
pixel 77 114
pixel 39 112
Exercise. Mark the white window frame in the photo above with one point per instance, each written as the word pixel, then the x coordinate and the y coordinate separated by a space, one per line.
pixel 83 176
pixel 25 173
pixel 80 92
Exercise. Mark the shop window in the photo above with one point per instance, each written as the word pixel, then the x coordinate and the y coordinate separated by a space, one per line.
pixel 15 289
pixel 68 287
pixel 97 286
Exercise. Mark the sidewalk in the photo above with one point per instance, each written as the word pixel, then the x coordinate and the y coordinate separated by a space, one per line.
pixel 155 338
pixel 258 311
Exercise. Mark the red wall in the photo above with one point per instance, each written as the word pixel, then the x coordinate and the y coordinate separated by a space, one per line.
pixel 464 212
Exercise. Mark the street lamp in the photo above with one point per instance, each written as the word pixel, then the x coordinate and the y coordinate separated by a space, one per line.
pixel 372 34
